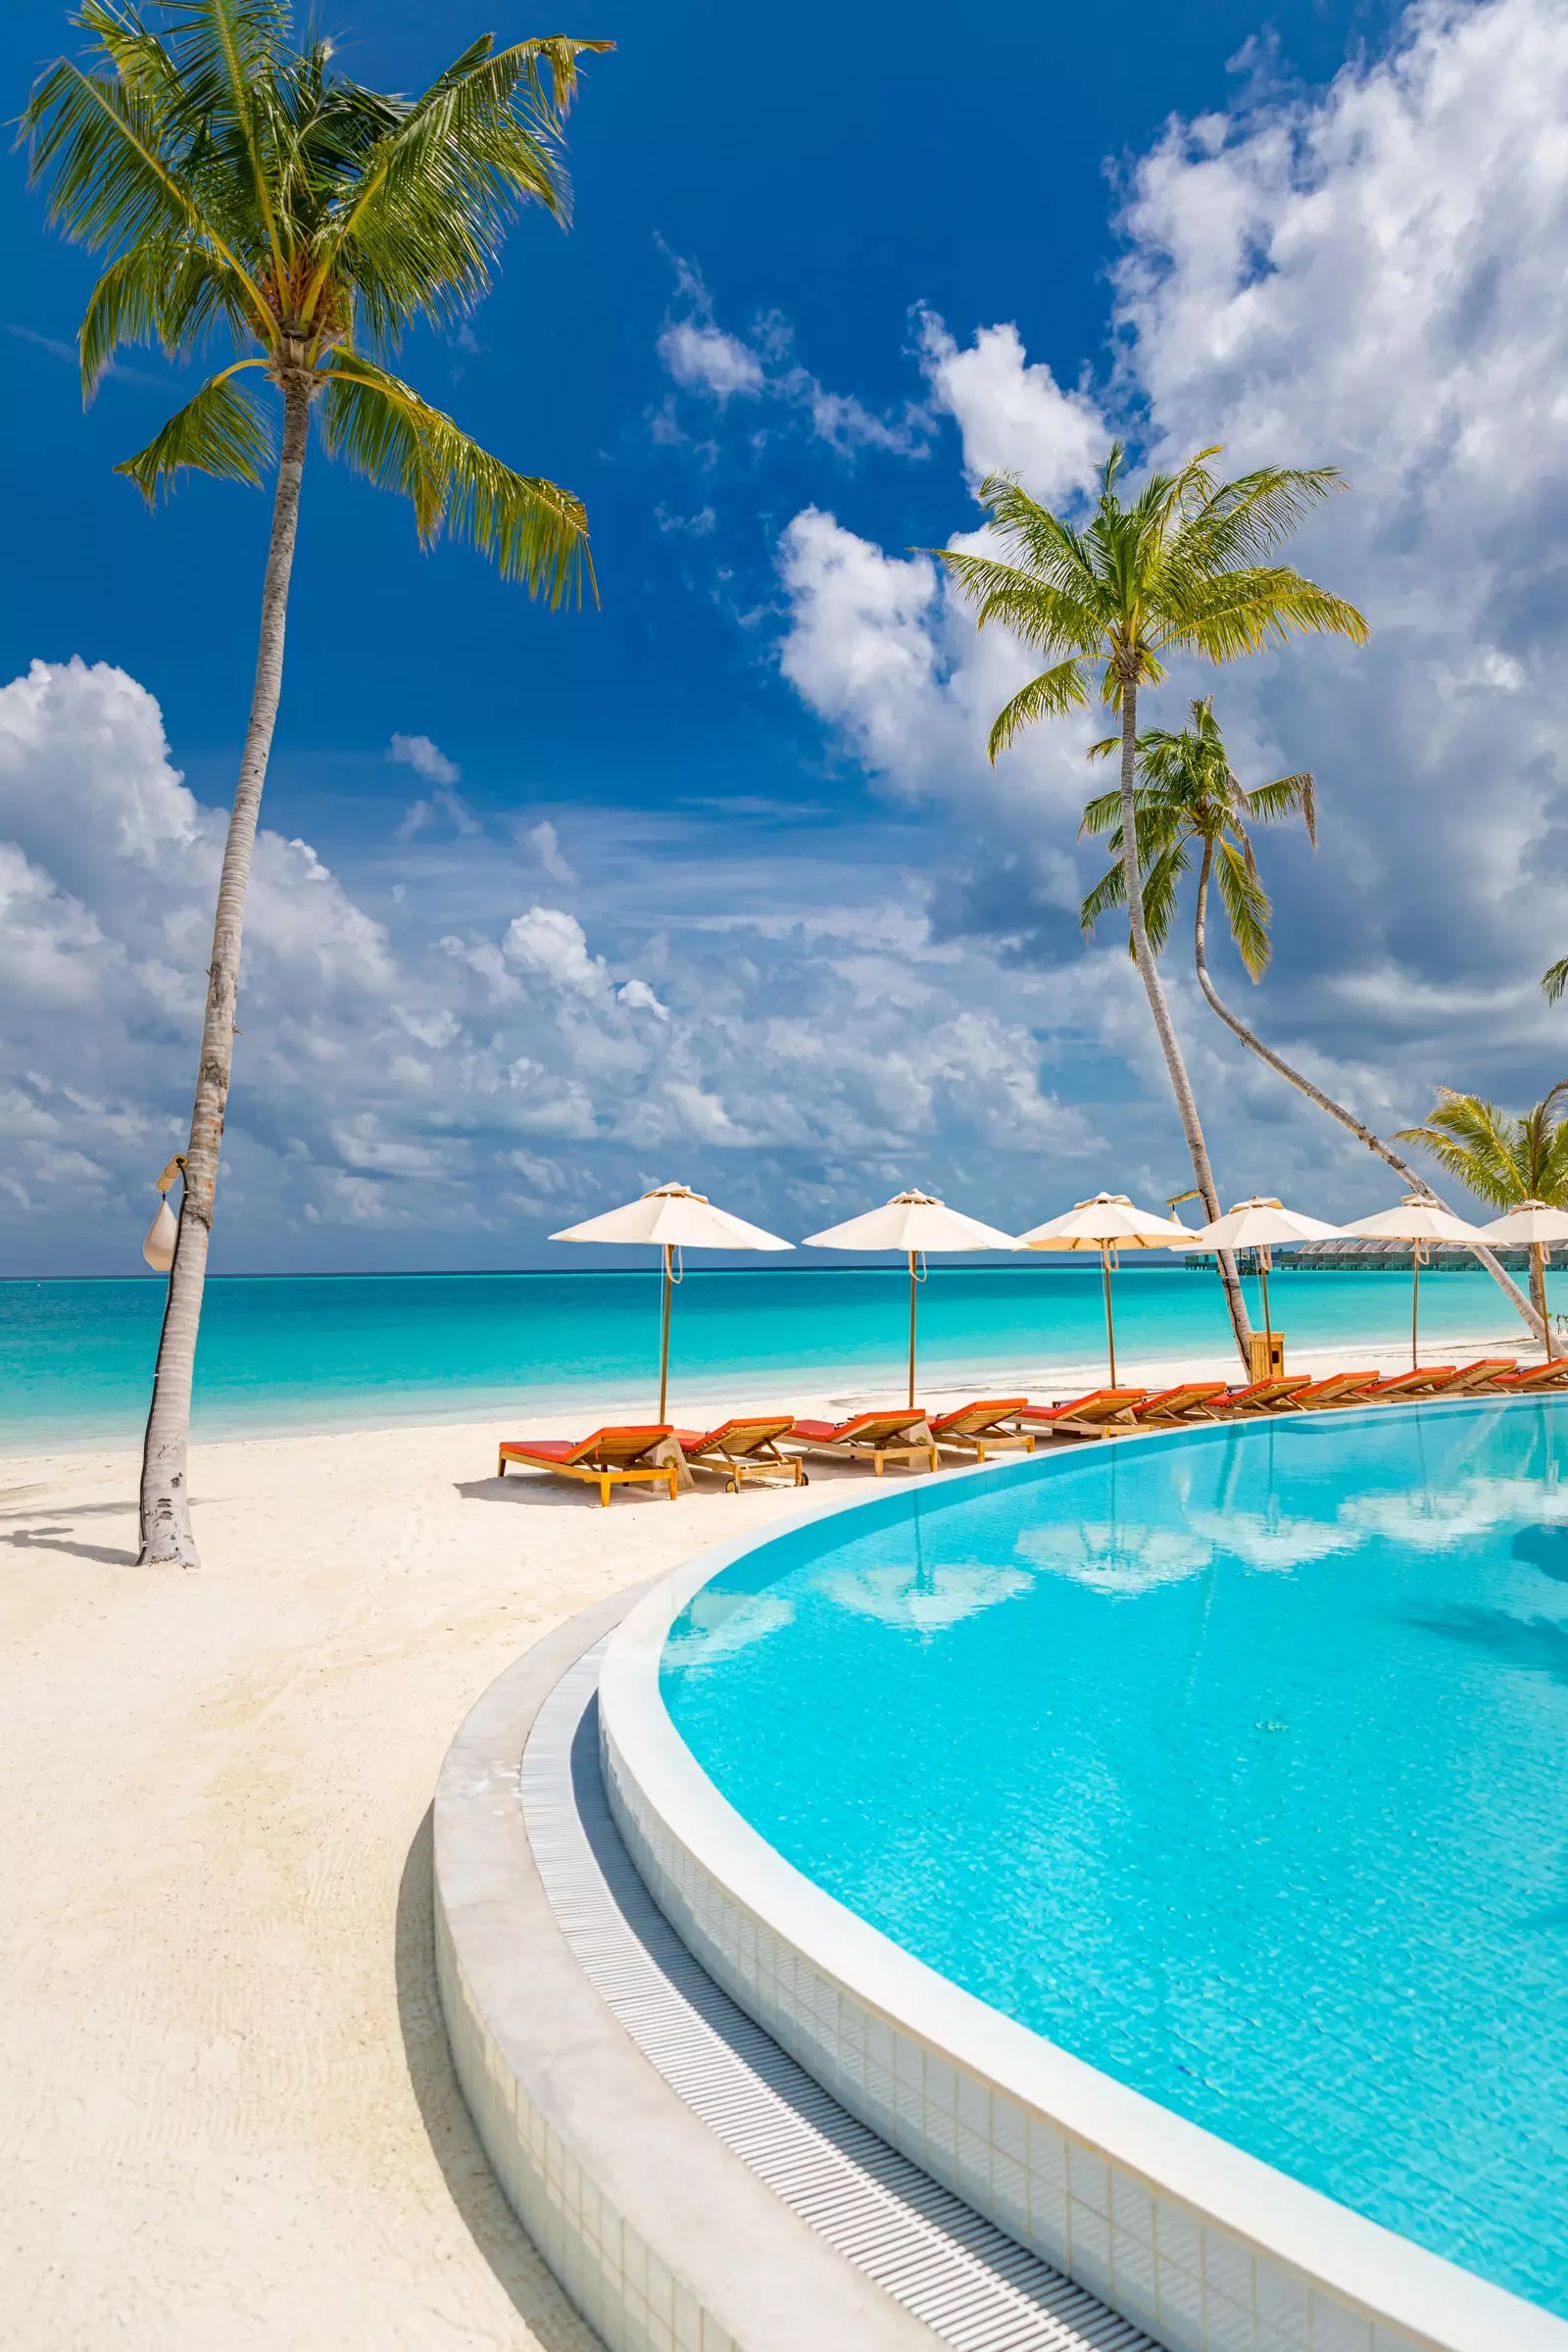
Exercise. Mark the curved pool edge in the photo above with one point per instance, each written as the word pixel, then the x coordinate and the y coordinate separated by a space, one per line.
pixel 1208 2247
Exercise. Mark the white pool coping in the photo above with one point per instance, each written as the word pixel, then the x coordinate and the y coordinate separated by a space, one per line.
pixel 1208 2247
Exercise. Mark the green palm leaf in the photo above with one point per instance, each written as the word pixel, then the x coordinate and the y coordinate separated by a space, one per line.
pixel 221 432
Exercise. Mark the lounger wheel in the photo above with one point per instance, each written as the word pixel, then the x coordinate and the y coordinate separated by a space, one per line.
pixel 804 1478
pixel 732 1485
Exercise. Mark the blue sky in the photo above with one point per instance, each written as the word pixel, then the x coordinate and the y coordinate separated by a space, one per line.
pixel 712 881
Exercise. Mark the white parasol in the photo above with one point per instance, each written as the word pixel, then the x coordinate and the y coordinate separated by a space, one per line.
pixel 673 1218
pixel 1538 1224
pixel 915 1223
pixel 1108 1223
pixel 1264 1224
pixel 1419 1220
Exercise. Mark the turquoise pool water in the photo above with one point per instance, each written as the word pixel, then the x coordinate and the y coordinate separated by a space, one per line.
pixel 1234 1764
pixel 360 1350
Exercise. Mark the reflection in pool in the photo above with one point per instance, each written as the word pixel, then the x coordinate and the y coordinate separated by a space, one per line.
pixel 1234 1764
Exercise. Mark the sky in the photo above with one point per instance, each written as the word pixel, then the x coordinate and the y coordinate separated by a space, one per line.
pixel 714 882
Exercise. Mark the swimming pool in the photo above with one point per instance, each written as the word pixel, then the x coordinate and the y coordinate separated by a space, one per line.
pixel 1232 1764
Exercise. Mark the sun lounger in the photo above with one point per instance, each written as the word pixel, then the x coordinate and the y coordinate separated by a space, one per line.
pixel 1553 1374
pixel 1269 1395
pixel 611 1457
pixel 1096 1416
pixel 1472 1379
pixel 1188 1402
pixel 985 1426
pixel 1426 1380
pixel 742 1448
pixel 1338 1388
pixel 874 1438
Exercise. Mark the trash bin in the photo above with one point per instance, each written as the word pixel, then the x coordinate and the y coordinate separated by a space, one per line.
pixel 1266 1353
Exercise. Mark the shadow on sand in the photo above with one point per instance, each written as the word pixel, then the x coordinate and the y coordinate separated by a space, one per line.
pixel 489 2220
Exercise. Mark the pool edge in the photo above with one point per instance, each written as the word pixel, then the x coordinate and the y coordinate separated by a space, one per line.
pixel 1206 2246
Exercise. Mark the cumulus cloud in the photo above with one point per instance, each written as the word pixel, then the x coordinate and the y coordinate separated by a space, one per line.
pixel 1368 276
pixel 392 1085
pixel 427 759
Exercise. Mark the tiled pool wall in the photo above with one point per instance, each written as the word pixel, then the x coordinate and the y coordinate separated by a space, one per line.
pixel 1160 2245
pixel 1155 2260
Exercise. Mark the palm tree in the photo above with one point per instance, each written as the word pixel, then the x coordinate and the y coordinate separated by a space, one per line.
pixel 246 189
pixel 1180 569
pixel 1503 1161
pixel 1554 979
pixel 1191 798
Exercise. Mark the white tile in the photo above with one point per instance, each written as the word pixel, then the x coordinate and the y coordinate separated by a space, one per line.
pixel 1228 2269
pixel 1280 2298
pixel 1090 2236
pixel 1227 2327
pixel 1335 2330
pixel 1088 2180
pixel 1178 2236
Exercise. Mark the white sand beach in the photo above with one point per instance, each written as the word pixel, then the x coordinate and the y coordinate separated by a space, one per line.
pixel 229 2118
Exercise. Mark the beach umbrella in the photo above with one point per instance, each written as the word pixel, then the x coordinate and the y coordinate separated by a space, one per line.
pixel 673 1218
pixel 1538 1224
pixel 917 1224
pixel 1108 1223
pixel 1264 1224
pixel 1420 1221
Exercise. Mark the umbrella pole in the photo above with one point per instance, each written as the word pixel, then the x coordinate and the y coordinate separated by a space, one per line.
pixel 1415 1302
pixel 1110 1328
pixel 1268 1328
pixel 663 1342
pixel 911 1327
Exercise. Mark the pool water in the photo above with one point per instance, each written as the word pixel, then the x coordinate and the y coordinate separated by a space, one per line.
pixel 1234 1764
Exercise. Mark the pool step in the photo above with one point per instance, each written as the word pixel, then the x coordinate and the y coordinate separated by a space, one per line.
pixel 971 2285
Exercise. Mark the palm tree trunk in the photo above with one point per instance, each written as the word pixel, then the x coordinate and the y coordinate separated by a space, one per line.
pixel 165 1528
pixel 1535 1323
pixel 1148 973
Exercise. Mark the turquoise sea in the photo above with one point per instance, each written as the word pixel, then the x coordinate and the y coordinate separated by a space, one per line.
pixel 363 1350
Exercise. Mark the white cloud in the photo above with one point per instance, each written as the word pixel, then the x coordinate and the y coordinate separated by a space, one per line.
pixel 1343 276
pixel 704 359
pixel 426 758
pixel 545 842
pixel 389 1085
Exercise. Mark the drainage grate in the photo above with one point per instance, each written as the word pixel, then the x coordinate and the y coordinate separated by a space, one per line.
pixel 972 2285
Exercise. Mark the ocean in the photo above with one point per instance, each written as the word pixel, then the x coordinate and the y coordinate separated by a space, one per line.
pixel 351 1352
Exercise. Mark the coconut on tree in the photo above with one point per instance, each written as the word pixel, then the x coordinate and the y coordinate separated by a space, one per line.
pixel 249 193
pixel 1190 804
pixel 1183 567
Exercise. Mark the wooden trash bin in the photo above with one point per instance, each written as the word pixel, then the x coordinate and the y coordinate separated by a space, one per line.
pixel 1266 1355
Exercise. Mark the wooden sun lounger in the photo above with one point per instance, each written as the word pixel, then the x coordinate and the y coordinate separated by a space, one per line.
pixel 1472 1379
pixel 985 1427
pixel 1189 1401
pixel 1097 1415
pixel 1272 1394
pixel 874 1438
pixel 611 1457
pixel 1426 1380
pixel 1553 1374
pixel 1336 1388
pixel 745 1446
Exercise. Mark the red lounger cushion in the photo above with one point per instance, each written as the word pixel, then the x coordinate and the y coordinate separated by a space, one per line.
pixel 890 1425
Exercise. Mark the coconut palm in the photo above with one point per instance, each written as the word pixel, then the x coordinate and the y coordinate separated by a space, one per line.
pixel 1192 800
pixel 1502 1160
pixel 248 192
pixel 1554 979
pixel 1182 567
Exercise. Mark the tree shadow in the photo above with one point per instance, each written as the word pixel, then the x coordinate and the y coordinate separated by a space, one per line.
pixel 1544 1547
pixel 514 2260
pixel 553 1494
pixel 1540 1644
pixel 49 1539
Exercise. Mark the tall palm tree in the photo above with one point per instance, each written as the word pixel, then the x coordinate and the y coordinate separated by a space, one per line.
pixel 247 190
pixel 1502 1160
pixel 1183 567
pixel 1191 799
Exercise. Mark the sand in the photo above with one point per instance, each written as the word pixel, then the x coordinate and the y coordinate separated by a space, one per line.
pixel 227 2116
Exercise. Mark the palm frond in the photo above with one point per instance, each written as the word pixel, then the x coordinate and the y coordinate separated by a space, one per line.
pixel 1110 892
pixel 1052 694
pixel 536 533
pixel 220 432
pixel 1286 795
pixel 1554 979
pixel 1247 906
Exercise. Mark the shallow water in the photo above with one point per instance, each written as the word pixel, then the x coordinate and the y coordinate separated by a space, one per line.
pixel 1235 1765
pixel 350 1351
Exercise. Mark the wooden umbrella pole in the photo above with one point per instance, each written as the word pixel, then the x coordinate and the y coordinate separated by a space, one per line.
pixel 913 1279
pixel 1110 1328
pixel 1542 1253
pixel 1415 1302
pixel 663 1343
pixel 1268 1328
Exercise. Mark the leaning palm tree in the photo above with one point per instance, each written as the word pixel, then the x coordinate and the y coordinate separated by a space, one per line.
pixel 1502 1160
pixel 1183 567
pixel 247 190
pixel 1192 799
